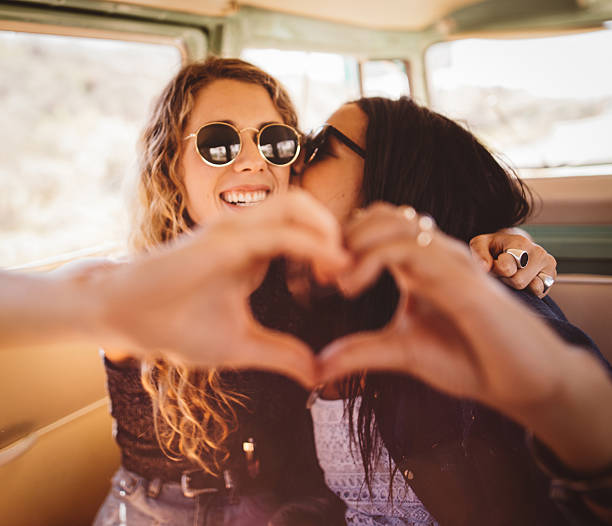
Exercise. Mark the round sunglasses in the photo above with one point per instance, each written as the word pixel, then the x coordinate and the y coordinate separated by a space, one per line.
pixel 219 143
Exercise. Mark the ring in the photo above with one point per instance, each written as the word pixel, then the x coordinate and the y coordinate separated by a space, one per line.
pixel 547 280
pixel 520 256
pixel 425 235
pixel 409 212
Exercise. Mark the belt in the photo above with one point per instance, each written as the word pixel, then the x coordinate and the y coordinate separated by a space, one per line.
pixel 197 482
pixel 192 483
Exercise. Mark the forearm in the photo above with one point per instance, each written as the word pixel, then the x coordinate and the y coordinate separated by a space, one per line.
pixel 577 423
pixel 43 309
pixel 570 410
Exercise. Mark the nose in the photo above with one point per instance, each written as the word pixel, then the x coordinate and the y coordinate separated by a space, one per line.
pixel 249 159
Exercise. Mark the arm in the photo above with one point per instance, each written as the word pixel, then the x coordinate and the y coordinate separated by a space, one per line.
pixel 188 301
pixel 463 333
pixel 45 309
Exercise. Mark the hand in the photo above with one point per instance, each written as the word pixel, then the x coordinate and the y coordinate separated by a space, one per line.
pixel 189 301
pixel 452 327
pixel 459 331
pixel 490 249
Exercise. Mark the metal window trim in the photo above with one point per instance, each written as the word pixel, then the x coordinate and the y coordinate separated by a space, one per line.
pixel 191 42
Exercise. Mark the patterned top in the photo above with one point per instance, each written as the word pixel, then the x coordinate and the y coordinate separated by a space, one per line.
pixel 345 476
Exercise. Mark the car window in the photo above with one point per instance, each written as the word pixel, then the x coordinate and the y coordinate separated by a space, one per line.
pixel 73 109
pixel 385 78
pixel 318 83
pixel 546 103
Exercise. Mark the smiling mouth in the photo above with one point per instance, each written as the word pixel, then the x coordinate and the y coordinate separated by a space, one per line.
pixel 244 198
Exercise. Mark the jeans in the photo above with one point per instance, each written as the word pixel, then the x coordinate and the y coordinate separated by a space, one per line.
pixel 130 503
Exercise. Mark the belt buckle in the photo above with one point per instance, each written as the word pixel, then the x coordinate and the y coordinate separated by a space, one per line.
pixel 190 492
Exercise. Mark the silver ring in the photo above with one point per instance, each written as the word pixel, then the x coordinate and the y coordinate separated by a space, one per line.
pixel 409 212
pixel 520 256
pixel 426 230
pixel 547 281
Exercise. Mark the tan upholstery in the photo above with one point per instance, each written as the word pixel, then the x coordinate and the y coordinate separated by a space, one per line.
pixel 587 303
pixel 63 478
pixel 573 200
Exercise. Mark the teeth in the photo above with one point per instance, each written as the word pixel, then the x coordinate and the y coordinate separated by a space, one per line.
pixel 244 198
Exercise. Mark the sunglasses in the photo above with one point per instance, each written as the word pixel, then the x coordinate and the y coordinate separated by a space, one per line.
pixel 219 143
pixel 317 139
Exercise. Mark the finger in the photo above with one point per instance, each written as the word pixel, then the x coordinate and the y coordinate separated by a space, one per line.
pixel 348 355
pixel 536 286
pixel 295 242
pixel 501 241
pixel 445 264
pixel 259 348
pixel 278 352
pixel 378 225
pixel 480 248
pixel 299 207
pixel 362 215
pixel 366 270
pixel 539 261
pixel 239 245
pixel 444 369
pixel 504 266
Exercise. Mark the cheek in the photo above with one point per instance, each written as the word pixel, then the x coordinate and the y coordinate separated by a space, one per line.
pixel 339 191
pixel 200 188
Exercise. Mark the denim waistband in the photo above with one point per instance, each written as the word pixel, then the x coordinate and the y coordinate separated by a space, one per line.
pixel 137 501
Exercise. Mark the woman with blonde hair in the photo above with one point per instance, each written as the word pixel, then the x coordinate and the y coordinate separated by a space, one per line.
pixel 198 446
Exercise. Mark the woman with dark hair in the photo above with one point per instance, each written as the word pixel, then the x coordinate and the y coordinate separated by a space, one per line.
pixel 431 447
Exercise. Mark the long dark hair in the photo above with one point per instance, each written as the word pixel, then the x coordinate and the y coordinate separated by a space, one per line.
pixel 417 157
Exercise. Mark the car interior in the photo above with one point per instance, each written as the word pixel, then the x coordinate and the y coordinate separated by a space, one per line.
pixel 532 79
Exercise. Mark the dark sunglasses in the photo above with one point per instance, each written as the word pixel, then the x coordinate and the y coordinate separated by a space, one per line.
pixel 219 143
pixel 317 139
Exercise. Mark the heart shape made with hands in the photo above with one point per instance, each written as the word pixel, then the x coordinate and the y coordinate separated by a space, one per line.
pixel 290 300
pixel 380 329
pixel 391 317
pixel 413 301
pixel 362 321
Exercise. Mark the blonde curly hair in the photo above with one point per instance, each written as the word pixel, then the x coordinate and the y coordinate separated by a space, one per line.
pixel 193 410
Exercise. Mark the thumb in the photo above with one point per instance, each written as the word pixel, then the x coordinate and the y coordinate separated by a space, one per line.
pixel 280 353
pixel 375 350
pixel 480 251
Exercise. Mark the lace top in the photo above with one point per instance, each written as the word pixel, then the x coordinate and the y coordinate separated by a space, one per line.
pixel 345 476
